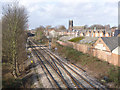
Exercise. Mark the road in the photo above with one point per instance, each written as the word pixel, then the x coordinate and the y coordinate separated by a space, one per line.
pixel 62 73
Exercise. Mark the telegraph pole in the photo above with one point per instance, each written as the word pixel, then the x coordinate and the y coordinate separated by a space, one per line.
pixel 48 36
pixel 27 36
pixel 49 43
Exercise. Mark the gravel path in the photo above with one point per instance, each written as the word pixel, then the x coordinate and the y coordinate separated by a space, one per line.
pixel 42 76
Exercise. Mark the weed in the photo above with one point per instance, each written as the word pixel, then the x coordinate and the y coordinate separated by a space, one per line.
pixel 93 63
pixel 12 83
pixel 114 75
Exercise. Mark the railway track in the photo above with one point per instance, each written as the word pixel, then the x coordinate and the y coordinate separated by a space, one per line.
pixel 63 74
pixel 54 78
pixel 74 80
pixel 76 69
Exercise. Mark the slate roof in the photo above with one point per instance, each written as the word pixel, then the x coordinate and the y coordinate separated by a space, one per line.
pixel 111 42
pixel 88 40
pixel 117 32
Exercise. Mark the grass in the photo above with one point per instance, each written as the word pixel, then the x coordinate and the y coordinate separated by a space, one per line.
pixel 114 74
pixel 101 68
pixel 76 39
pixel 12 83
pixel 8 81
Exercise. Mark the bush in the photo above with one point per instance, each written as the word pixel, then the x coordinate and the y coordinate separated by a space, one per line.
pixel 77 39
pixel 103 68
pixel 114 75
pixel 12 83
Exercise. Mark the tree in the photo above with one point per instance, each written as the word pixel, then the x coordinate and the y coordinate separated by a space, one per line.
pixel 39 32
pixel 107 27
pixel 85 26
pixel 97 26
pixel 61 27
pixel 48 27
pixel 0 39
pixel 14 22
pixel 41 28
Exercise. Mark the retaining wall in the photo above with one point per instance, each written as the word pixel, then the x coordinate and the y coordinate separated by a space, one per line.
pixel 102 55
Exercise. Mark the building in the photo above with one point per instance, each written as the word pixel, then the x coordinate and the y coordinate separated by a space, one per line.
pixel 101 33
pixel 116 33
pixel 71 25
pixel 88 33
pixel 78 27
pixel 108 49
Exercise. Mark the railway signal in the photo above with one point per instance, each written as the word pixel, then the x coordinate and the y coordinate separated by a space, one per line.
pixel 31 61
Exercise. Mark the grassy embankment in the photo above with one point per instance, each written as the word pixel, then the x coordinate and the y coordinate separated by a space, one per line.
pixel 90 63
pixel 25 80
pixel 76 39
pixel 8 81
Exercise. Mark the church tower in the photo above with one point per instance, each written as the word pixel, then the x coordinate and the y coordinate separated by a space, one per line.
pixel 71 25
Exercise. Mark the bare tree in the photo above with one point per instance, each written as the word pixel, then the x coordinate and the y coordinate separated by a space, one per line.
pixel 98 26
pixel 39 33
pixel 85 26
pixel 14 23
pixel 61 27
pixel 107 27
pixel 0 42
pixel 48 27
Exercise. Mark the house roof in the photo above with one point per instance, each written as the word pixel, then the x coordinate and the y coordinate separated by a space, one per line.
pixel 89 40
pixel 49 30
pixel 78 27
pixel 117 32
pixel 111 42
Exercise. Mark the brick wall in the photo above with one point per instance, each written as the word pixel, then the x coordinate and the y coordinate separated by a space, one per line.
pixel 102 55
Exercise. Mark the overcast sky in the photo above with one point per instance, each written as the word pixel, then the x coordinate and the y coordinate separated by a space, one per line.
pixel 59 12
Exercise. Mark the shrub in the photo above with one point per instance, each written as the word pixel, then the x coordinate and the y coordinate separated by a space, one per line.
pixel 114 75
pixel 77 39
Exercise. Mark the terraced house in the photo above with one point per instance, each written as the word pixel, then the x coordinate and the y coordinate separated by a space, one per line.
pixel 88 32
pixel 95 33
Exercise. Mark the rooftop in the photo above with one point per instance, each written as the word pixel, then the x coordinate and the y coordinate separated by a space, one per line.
pixel 111 42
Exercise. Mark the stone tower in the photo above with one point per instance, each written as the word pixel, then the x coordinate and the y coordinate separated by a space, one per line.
pixel 71 25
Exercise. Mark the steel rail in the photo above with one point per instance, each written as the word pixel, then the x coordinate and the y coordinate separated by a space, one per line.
pixel 83 77
pixel 73 70
pixel 47 71
pixel 59 60
pixel 78 73
pixel 74 80
pixel 58 74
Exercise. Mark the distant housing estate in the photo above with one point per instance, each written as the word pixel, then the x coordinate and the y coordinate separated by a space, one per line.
pixel 78 31
pixel 104 42
pixel 81 31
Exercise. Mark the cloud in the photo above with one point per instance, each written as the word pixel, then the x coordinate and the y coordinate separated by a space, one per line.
pixel 58 12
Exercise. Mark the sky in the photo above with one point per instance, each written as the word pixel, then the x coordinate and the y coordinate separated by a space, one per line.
pixel 59 12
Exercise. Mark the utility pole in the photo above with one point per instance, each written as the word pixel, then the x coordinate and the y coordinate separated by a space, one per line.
pixel 48 36
pixel 50 43
pixel 27 36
